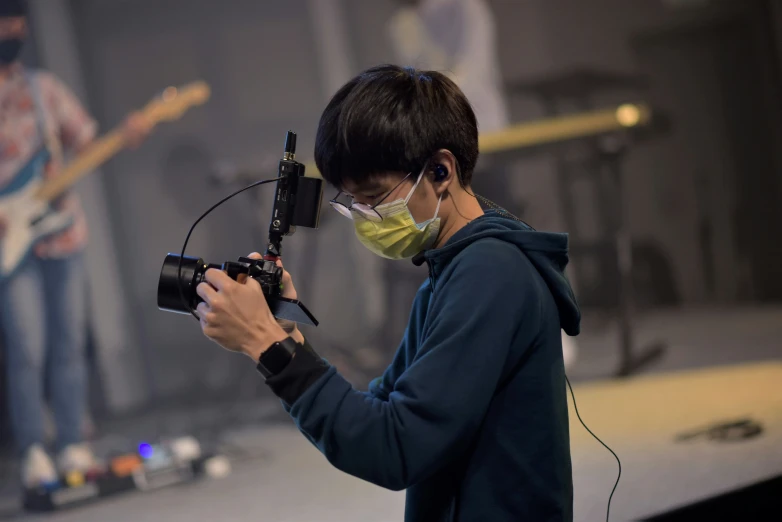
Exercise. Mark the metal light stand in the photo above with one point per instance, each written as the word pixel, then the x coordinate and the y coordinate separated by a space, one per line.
pixel 612 150
pixel 602 166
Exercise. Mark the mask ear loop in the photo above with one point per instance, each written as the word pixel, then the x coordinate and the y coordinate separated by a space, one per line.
pixel 437 210
pixel 410 194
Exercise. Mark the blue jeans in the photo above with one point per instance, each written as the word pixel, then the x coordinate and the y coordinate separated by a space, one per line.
pixel 43 309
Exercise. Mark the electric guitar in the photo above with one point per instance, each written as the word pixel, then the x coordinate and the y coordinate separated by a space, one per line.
pixel 26 202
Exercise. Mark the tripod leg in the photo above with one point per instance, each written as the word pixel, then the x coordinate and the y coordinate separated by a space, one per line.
pixel 625 314
pixel 629 362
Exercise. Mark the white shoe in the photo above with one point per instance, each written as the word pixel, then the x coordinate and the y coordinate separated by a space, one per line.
pixel 77 457
pixel 37 467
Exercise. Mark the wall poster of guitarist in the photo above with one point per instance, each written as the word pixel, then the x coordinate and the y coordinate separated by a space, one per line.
pixel 43 304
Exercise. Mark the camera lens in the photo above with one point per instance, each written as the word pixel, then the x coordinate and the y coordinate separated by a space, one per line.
pixel 169 297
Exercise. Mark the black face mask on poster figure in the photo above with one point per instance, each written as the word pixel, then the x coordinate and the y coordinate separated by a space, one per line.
pixel 297 202
pixel 10 48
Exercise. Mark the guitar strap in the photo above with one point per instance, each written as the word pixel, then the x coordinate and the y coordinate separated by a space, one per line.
pixel 48 139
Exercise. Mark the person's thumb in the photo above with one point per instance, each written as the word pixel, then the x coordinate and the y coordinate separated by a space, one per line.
pixel 288 290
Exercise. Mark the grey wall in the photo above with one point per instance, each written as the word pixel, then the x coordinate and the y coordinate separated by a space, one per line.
pixel 695 172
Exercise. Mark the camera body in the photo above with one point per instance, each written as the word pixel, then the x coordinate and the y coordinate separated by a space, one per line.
pixel 297 203
pixel 186 278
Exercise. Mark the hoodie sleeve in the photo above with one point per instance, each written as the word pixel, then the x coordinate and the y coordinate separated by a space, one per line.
pixel 397 437
pixel 381 387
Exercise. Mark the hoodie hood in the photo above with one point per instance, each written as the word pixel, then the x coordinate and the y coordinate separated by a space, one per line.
pixel 547 251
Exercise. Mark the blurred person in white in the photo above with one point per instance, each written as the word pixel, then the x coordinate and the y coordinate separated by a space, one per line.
pixel 459 38
pixel 43 304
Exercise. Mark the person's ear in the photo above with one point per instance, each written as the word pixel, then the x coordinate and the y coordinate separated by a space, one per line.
pixel 443 171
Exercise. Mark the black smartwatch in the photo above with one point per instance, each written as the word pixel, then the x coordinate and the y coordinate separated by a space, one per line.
pixel 276 357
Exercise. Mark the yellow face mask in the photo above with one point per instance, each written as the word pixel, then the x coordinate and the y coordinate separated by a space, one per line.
pixel 397 235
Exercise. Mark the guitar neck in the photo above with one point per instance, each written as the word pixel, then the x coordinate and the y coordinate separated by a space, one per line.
pixel 96 155
pixel 169 106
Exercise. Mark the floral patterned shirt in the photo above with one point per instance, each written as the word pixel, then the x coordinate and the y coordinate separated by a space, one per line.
pixel 69 129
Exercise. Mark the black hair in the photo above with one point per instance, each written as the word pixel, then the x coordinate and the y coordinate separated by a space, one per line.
pixel 11 8
pixel 394 119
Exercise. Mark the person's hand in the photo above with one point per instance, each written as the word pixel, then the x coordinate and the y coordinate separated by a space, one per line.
pixel 289 292
pixel 235 314
pixel 136 128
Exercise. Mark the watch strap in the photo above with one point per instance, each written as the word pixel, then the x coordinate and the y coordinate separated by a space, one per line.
pixel 276 357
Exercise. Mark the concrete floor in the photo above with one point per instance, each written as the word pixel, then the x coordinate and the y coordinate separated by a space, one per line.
pixel 289 482
pixel 281 477
pixel 695 338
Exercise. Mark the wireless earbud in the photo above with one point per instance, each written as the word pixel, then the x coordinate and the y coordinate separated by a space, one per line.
pixel 440 173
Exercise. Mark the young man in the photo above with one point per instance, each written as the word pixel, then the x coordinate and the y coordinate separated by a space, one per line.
pixel 43 305
pixel 471 417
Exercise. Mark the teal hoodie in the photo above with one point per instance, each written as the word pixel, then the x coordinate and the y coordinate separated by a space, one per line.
pixel 471 416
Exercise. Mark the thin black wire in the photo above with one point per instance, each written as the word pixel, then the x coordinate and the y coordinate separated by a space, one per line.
pixel 493 205
pixel 573 395
pixel 619 475
pixel 182 256
pixel 489 203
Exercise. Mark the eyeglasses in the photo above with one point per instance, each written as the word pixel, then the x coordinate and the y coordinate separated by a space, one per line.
pixel 368 212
